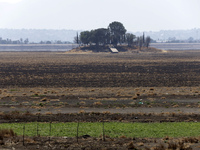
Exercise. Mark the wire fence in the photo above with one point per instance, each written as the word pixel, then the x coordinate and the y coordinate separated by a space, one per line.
pixel 102 129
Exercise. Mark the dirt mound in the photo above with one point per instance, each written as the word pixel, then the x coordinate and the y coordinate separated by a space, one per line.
pixel 89 49
pixel 120 48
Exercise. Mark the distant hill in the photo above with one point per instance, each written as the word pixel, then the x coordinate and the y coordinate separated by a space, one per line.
pixel 167 35
pixel 37 35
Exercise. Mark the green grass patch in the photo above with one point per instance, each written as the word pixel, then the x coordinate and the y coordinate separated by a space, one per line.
pixel 112 129
pixel 36 95
pixel 12 90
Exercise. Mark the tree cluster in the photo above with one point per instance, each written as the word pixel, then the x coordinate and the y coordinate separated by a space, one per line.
pixel 9 41
pixel 53 42
pixel 143 41
pixel 189 40
pixel 26 41
pixel 115 34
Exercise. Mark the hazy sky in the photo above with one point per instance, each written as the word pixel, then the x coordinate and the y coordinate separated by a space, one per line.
pixel 136 15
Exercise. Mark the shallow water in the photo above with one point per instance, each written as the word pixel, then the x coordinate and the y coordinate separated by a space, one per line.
pixel 176 46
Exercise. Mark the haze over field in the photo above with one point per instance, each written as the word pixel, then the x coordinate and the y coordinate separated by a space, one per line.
pixel 136 15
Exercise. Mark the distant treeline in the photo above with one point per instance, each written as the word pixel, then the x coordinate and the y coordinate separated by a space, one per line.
pixel 174 36
pixel 47 36
pixel 189 40
pixel 26 41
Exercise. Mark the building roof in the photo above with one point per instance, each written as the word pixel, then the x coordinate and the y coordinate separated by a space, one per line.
pixel 114 50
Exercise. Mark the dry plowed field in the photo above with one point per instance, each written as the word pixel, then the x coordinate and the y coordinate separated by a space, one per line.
pixel 92 87
pixel 99 70
pixel 92 81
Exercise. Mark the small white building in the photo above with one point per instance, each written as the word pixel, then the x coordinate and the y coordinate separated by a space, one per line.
pixel 114 50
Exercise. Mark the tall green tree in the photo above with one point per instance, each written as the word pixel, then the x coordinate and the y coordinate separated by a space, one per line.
pixel 26 41
pixel 85 37
pixel 129 38
pixel 147 41
pixel 99 36
pixel 140 42
pixel 76 39
pixel 117 32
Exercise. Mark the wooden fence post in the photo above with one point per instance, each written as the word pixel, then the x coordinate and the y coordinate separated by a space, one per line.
pixel 38 125
pixel 77 132
pixel 50 132
pixel 23 134
pixel 103 132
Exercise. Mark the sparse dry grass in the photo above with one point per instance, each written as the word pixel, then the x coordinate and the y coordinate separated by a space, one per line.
pixel 48 113
pixel 82 103
pixel 81 111
pixel 97 103
pixel 135 97
pixel 5 133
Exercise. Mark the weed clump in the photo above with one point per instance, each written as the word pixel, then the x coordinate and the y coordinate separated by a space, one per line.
pixel 97 103
pixel 6 133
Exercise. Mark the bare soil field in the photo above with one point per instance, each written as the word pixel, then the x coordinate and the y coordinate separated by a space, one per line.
pixel 99 69
pixel 129 87
pixel 91 143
